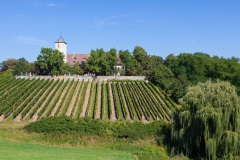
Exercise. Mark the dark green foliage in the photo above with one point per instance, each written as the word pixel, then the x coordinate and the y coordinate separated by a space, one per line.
pixel 101 62
pixel 87 126
pixel 50 61
pixel 207 125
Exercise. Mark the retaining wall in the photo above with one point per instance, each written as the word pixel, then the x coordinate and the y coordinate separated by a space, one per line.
pixel 90 78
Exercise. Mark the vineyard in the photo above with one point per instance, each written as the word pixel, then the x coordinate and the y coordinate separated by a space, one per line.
pixel 33 99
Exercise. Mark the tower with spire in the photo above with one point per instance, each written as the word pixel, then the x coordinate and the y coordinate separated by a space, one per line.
pixel 61 46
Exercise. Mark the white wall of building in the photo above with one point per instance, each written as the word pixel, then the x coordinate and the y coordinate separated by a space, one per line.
pixel 62 47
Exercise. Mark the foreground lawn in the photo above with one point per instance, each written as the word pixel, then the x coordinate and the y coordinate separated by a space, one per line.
pixel 18 150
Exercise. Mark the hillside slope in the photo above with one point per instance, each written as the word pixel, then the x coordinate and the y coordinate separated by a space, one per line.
pixel 30 100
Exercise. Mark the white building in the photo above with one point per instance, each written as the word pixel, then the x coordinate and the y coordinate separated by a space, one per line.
pixel 61 45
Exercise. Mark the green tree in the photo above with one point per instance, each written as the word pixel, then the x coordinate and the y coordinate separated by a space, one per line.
pixel 77 69
pixel 22 66
pixel 67 68
pixel 163 77
pixel 143 59
pixel 50 61
pixel 10 63
pixel 207 125
pixel 93 61
pixel 101 62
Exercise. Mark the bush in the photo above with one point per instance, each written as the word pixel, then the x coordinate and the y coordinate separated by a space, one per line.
pixel 87 126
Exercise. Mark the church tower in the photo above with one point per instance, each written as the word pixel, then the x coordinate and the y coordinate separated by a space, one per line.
pixel 61 45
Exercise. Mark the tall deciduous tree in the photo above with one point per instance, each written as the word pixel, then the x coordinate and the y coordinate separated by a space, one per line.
pixel 22 66
pixel 207 125
pixel 101 62
pixel 50 61
pixel 10 63
pixel 77 69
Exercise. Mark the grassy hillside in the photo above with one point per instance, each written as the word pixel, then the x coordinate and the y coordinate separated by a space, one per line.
pixel 30 100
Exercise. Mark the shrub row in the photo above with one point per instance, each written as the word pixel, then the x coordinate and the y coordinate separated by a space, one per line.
pixel 87 126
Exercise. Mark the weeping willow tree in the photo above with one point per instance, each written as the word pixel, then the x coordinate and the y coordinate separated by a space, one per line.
pixel 207 125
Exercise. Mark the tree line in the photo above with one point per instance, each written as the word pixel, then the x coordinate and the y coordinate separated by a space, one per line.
pixel 173 74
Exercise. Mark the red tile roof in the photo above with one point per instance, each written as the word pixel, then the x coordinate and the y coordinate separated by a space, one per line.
pixel 73 58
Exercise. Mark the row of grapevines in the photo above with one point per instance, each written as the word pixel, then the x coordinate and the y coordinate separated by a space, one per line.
pixel 172 105
pixel 28 100
pixel 80 106
pixel 50 97
pixel 69 98
pixel 76 100
pixel 135 102
pixel 104 104
pixel 92 96
pixel 148 102
pixel 56 99
pixel 37 102
pixel 7 84
pixel 64 97
pixel 122 100
pixel 162 106
pixel 162 95
pixel 9 102
pixel 109 100
pixel 34 101
pixel 22 96
pixel 129 102
pixel 153 101
pixel 12 93
pixel 47 90
pixel 140 101
pixel 95 101
pixel 82 99
pixel 4 79
pixel 116 101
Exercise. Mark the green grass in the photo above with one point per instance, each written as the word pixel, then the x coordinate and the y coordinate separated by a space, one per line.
pixel 17 143
pixel 18 150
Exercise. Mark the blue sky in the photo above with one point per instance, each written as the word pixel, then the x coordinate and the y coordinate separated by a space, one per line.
pixel 160 27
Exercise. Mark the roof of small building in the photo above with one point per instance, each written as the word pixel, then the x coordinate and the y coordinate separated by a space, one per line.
pixel 81 58
pixel 73 58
